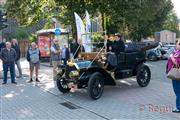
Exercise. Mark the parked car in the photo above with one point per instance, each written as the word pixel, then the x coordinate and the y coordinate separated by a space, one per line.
pixel 160 52
pixel 167 50
pixel 154 54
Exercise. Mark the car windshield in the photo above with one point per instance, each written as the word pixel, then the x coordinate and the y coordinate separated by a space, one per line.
pixel 83 64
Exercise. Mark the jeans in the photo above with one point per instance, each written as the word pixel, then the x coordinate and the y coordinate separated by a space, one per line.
pixel 176 87
pixel 19 68
pixel 6 67
pixel 64 61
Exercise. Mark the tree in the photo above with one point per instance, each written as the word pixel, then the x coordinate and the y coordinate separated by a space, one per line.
pixel 171 23
pixel 133 18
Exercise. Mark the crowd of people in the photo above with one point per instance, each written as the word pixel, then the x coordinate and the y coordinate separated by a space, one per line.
pixel 10 55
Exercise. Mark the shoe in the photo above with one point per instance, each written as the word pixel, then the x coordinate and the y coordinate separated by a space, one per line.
pixel 14 82
pixel 19 76
pixel 37 80
pixel 4 83
pixel 31 80
pixel 176 111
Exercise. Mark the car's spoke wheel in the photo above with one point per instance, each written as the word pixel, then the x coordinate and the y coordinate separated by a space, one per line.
pixel 96 85
pixel 143 75
pixel 62 85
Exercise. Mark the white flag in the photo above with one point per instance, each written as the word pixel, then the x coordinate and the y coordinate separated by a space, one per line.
pixel 87 38
pixel 79 25
pixel 88 22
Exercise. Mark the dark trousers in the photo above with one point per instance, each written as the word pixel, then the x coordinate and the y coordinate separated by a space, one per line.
pixel 64 61
pixel 176 87
pixel 6 67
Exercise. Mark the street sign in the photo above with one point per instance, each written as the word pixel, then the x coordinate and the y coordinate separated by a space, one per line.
pixel 57 31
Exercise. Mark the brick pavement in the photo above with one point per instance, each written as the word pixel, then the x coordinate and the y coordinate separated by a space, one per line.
pixel 28 102
pixel 125 101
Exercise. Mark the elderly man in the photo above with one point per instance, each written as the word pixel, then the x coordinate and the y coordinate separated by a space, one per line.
pixel 55 54
pixel 8 56
pixel 33 57
pixel 18 53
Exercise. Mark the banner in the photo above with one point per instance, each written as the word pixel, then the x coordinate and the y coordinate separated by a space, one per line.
pixel 87 41
pixel 79 25
pixel 44 45
pixel 88 22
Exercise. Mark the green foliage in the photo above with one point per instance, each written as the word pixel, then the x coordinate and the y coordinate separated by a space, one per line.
pixel 32 38
pixel 133 18
pixel 171 24
pixel 20 34
pixel 97 37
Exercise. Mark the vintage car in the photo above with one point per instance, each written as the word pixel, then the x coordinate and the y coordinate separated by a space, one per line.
pixel 89 72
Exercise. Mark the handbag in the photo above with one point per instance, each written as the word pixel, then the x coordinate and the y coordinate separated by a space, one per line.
pixel 174 73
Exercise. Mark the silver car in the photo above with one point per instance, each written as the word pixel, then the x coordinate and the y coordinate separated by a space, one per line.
pixel 167 50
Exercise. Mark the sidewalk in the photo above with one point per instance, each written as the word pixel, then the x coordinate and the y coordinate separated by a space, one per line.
pixel 126 101
pixel 24 65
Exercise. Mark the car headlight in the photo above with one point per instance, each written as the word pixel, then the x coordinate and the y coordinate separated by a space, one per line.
pixel 74 74
pixel 70 63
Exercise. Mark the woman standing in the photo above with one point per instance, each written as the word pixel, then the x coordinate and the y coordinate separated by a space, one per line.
pixel 174 60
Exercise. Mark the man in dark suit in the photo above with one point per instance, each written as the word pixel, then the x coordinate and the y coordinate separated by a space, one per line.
pixel 118 45
pixel 74 48
pixel 65 54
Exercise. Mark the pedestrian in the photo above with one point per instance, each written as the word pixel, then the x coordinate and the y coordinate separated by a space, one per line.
pixel 56 57
pixel 8 56
pixel 65 54
pixel 118 45
pixel 109 44
pixel 80 47
pixel 174 60
pixel 74 48
pixel 33 57
pixel 18 53
pixel 2 45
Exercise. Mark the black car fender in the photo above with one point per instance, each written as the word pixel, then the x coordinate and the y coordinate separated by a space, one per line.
pixel 108 80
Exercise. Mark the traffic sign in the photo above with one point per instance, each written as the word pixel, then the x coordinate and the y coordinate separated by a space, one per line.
pixel 57 31
pixel 3 20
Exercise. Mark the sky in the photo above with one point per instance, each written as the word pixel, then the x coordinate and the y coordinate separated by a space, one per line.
pixel 177 7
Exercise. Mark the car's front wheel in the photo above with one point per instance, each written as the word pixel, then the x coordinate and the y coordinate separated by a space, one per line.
pixel 96 85
pixel 143 75
pixel 62 85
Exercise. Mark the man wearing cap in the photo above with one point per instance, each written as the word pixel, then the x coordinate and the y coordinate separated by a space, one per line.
pixel 118 45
